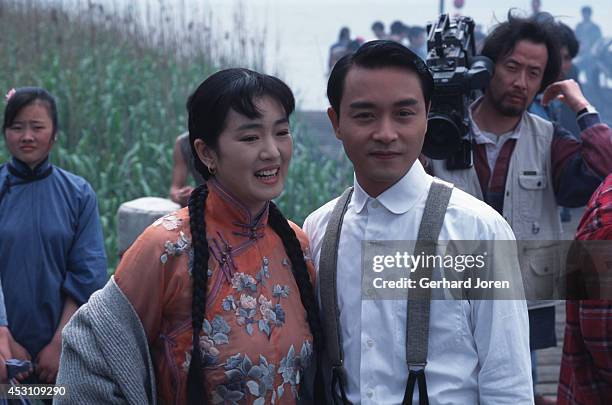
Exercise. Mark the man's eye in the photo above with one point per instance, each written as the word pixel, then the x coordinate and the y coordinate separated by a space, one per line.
pixel 283 133
pixel 405 113
pixel 363 116
pixel 248 138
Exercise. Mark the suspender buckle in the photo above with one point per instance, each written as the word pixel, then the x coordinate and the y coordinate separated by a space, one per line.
pixel 416 366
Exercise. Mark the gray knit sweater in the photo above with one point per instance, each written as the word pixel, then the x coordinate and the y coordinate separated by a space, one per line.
pixel 105 355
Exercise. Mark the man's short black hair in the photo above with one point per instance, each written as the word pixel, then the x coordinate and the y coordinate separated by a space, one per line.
pixel 374 55
pixel 505 36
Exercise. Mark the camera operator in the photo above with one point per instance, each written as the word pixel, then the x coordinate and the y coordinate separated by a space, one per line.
pixel 523 165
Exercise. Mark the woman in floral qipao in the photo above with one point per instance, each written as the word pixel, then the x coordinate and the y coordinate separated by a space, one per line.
pixel 224 287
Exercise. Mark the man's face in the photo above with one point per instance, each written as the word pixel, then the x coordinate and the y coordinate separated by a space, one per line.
pixel 517 79
pixel 382 123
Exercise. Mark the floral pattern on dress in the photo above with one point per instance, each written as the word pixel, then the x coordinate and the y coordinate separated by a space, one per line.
pixel 292 366
pixel 245 308
pixel 241 281
pixel 169 221
pixel 177 248
pixel 243 377
pixel 264 272
pixel 215 333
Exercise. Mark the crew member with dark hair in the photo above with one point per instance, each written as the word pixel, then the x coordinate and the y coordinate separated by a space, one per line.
pixel 524 165
pixel 221 292
pixel 467 352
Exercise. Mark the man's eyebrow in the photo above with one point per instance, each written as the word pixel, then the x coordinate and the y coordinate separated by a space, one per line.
pixel 361 104
pixel 281 121
pixel 406 102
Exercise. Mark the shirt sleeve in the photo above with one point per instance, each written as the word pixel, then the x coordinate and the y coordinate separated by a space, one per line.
pixel 86 264
pixel 501 335
pixel 579 166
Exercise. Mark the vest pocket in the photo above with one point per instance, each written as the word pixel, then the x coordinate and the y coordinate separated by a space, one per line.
pixel 532 190
pixel 541 267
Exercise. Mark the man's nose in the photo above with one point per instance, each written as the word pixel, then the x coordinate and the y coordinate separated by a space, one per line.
pixel 386 131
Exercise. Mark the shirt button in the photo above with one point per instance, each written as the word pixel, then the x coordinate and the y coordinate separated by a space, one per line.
pixel 370 393
pixel 370 342
pixel 375 204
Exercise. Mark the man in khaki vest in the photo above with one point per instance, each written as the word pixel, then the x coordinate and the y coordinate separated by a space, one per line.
pixel 523 165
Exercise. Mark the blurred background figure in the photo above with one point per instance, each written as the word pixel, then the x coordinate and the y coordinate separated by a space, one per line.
pixel 378 28
pixel 183 166
pixel 418 40
pixel 536 7
pixel 398 32
pixel 479 37
pixel 588 33
pixel 340 48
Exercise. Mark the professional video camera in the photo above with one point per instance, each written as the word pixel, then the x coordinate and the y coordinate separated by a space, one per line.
pixel 458 75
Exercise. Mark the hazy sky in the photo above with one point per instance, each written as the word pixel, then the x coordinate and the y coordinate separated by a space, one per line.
pixel 299 32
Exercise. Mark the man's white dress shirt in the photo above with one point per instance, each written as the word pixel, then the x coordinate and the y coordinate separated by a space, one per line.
pixel 478 350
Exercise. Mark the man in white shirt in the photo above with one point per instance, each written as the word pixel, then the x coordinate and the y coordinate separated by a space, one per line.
pixel 478 351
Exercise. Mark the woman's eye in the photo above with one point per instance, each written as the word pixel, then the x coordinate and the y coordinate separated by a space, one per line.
pixel 283 133
pixel 248 138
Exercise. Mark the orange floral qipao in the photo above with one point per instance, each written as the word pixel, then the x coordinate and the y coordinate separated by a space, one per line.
pixel 255 341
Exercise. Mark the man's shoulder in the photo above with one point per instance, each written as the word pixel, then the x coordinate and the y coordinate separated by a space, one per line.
pixel 475 214
pixel 319 217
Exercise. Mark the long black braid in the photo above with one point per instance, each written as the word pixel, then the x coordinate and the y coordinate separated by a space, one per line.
pixel 279 224
pixel 197 204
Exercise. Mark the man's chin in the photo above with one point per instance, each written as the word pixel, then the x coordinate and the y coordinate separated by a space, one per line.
pixel 512 110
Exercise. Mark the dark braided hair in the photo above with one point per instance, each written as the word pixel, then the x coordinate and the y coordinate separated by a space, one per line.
pixel 281 227
pixel 208 107
pixel 199 272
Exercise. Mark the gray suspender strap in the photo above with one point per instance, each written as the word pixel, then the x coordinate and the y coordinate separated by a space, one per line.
pixel 417 325
pixel 329 298
pixel 419 299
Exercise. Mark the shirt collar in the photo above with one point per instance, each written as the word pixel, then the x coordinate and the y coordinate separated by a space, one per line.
pixel 22 170
pixel 401 196
pixel 481 138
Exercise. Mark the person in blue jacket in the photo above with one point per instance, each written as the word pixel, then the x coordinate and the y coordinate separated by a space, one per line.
pixel 52 254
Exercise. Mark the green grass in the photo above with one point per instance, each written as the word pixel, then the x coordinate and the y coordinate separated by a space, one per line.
pixel 121 96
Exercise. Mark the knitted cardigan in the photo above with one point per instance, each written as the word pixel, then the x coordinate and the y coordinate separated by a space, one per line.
pixel 105 355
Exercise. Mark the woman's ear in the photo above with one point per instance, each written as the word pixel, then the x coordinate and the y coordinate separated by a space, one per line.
pixel 206 154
